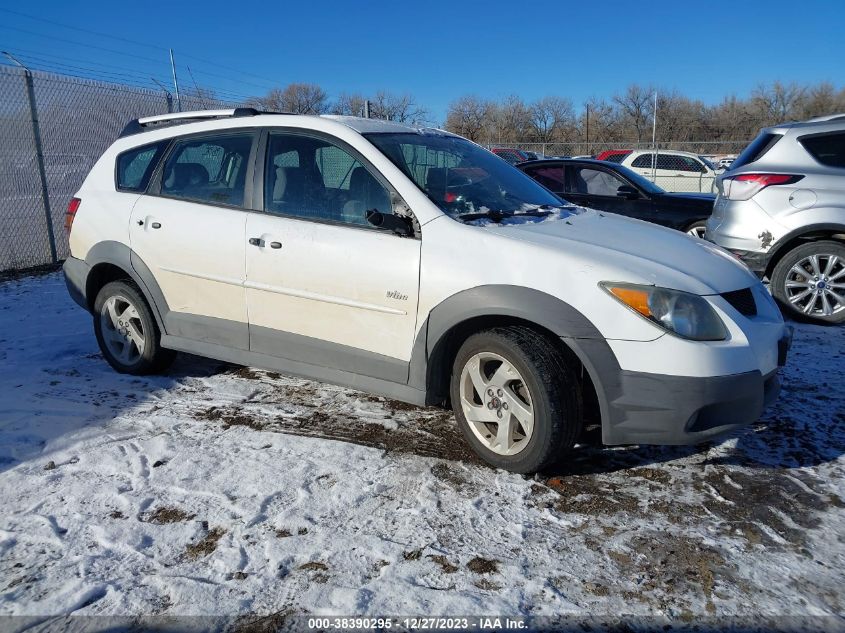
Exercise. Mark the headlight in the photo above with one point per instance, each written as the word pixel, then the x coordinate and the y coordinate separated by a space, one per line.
pixel 681 313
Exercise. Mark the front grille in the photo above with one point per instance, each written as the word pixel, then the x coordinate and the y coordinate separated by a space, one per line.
pixel 742 301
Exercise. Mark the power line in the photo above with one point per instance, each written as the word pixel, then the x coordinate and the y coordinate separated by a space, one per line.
pixel 48 62
pixel 135 80
pixel 137 43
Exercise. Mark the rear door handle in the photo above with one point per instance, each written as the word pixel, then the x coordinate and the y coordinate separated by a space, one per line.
pixel 256 241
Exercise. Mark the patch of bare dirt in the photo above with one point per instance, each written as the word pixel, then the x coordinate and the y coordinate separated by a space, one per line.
pixel 206 546
pixel 479 565
pixel 432 433
pixel 590 494
pixel 783 502
pixel 446 566
pixel 166 514
pixel 676 566
pixel 272 623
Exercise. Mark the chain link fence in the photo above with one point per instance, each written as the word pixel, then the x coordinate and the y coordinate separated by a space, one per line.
pixel 53 128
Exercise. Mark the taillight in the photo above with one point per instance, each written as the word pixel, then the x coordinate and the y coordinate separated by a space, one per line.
pixel 70 214
pixel 744 186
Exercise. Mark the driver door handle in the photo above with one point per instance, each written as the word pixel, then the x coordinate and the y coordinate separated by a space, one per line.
pixel 256 241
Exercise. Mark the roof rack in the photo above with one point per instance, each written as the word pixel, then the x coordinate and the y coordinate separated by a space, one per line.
pixel 828 117
pixel 144 124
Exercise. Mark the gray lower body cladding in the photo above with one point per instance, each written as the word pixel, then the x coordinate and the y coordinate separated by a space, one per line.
pixel 76 277
pixel 636 408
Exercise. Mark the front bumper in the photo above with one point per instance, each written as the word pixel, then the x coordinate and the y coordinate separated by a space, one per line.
pixel 674 410
pixel 647 408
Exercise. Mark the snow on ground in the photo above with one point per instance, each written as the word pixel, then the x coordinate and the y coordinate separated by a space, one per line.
pixel 224 490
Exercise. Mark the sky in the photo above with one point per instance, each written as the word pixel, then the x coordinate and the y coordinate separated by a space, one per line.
pixel 436 50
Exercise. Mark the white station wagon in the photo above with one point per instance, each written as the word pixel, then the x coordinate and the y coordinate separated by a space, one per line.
pixel 415 264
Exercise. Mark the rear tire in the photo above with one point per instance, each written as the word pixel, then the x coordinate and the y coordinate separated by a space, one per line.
pixel 127 332
pixel 517 401
pixel 809 282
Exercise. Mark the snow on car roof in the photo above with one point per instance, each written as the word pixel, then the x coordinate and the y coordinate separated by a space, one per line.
pixel 362 125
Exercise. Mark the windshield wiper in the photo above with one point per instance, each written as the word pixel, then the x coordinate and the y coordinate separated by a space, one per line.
pixel 497 216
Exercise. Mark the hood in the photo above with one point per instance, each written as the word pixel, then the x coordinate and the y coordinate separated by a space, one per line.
pixel 627 250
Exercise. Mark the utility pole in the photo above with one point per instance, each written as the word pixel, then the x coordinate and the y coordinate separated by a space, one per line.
pixel 175 82
pixel 587 106
pixel 654 141
pixel 367 109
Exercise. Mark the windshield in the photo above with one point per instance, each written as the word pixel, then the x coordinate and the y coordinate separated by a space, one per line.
pixel 462 178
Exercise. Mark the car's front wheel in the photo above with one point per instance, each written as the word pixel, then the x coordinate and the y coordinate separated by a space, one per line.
pixel 516 399
pixel 809 282
pixel 697 229
pixel 126 331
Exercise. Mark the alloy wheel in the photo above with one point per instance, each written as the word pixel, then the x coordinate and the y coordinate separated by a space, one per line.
pixel 496 403
pixel 122 329
pixel 697 231
pixel 815 285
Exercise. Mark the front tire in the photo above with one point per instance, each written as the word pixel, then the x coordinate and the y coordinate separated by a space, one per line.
pixel 517 401
pixel 809 282
pixel 697 229
pixel 126 331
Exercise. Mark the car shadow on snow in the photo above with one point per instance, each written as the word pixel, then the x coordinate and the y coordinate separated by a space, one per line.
pixel 79 393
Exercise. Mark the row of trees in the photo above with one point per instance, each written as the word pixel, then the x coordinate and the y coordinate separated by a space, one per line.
pixel 305 98
pixel 626 117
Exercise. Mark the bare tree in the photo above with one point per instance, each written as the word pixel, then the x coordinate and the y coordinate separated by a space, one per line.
pixel 300 98
pixel 511 120
pixel 469 116
pixel 550 116
pixel 349 104
pixel 778 102
pixel 395 107
pixel 636 106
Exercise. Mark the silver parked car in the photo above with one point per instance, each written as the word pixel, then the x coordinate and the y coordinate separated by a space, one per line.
pixel 781 209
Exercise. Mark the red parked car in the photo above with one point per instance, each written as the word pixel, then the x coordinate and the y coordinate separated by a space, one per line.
pixel 513 156
pixel 613 155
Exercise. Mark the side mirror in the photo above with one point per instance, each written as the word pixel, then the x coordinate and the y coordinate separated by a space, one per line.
pixel 628 192
pixel 388 222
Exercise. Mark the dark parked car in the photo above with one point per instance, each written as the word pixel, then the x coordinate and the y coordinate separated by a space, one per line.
pixel 610 187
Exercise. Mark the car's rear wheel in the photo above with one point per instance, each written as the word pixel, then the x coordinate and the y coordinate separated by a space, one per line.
pixel 126 331
pixel 697 229
pixel 517 401
pixel 809 282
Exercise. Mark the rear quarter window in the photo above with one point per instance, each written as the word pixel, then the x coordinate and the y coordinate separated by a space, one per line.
pixel 828 149
pixel 756 150
pixel 135 167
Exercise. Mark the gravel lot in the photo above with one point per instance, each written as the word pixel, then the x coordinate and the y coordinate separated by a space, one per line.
pixel 225 490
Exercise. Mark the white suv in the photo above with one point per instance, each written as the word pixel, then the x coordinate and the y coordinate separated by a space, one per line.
pixel 414 264
pixel 673 171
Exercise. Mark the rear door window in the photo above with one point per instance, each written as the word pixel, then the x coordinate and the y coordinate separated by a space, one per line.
pixel 208 169
pixel 550 176
pixel 756 150
pixel 595 182
pixel 828 149
pixel 135 167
